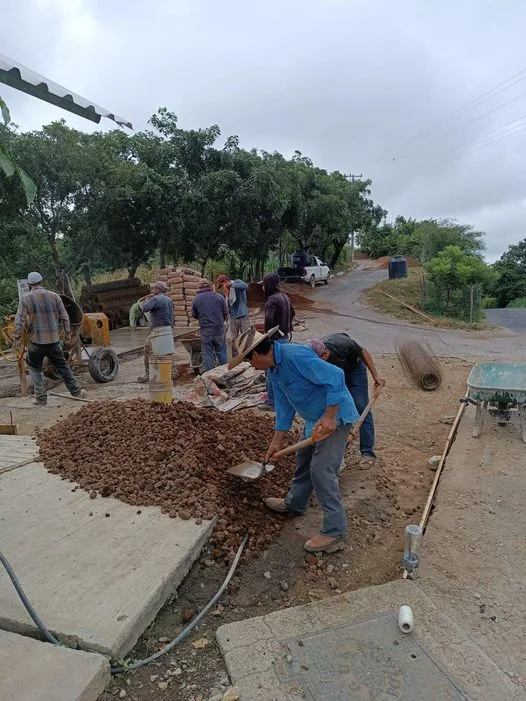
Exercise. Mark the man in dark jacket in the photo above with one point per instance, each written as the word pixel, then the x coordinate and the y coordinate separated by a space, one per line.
pixel 210 309
pixel 278 312
pixel 340 350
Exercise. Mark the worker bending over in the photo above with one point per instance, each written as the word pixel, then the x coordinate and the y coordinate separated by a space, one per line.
pixel 340 350
pixel 306 385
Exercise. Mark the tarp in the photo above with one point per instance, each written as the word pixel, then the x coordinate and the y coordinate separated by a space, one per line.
pixel 21 78
pixel 228 390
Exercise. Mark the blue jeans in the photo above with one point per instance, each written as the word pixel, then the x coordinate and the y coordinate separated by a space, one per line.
pixel 356 382
pixel 213 347
pixel 269 388
pixel 317 470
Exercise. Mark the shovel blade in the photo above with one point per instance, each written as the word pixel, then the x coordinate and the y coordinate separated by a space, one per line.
pixel 250 470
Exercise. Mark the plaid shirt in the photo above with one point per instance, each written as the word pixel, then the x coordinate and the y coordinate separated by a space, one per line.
pixel 41 312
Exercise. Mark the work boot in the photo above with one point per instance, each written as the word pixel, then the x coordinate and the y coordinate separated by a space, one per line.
pixel 37 402
pixel 277 505
pixel 143 379
pixel 324 544
pixel 81 395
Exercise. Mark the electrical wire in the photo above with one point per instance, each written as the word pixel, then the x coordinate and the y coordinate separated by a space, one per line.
pixel 27 604
pixel 184 633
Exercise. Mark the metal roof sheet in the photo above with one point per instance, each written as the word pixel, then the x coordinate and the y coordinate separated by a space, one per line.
pixel 32 83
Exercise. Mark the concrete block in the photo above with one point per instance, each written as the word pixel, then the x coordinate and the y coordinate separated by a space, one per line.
pixel 239 635
pixel 96 570
pixel 35 671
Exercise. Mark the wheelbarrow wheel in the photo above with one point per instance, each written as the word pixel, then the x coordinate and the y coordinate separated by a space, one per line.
pixel 103 365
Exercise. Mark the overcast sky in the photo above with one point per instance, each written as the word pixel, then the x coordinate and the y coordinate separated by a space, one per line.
pixel 359 87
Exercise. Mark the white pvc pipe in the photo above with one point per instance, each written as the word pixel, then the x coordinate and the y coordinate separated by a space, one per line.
pixel 405 619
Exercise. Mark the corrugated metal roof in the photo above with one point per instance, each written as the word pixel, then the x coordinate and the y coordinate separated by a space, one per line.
pixel 26 80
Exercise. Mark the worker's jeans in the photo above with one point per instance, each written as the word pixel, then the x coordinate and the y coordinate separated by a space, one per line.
pixel 357 385
pixel 269 388
pixel 54 353
pixel 212 347
pixel 237 327
pixel 317 469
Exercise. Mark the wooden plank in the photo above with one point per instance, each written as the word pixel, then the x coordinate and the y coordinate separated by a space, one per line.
pixel 411 308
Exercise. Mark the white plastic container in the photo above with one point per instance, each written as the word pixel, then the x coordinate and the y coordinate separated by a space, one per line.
pixel 405 619
pixel 162 341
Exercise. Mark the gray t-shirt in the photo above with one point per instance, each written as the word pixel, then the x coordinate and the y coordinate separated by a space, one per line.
pixel 210 309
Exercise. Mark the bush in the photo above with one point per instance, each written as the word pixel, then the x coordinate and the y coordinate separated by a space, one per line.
pixel 489 302
pixel 518 303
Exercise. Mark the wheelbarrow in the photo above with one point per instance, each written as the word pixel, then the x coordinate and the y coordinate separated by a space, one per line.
pixel 498 390
pixel 192 345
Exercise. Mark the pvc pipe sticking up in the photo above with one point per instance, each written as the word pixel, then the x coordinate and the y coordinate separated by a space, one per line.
pixel 405 619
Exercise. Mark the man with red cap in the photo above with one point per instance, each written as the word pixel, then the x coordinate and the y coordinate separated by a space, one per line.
pixel 235 292
pixel 161 310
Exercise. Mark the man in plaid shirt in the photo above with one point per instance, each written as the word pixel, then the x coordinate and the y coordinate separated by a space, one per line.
pixel 42 314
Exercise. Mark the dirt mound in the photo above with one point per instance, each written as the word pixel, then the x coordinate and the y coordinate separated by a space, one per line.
pixel 383 262
pixel 174 457
pixel 297 292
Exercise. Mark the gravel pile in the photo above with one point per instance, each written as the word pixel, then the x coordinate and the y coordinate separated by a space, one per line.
pixel 174 457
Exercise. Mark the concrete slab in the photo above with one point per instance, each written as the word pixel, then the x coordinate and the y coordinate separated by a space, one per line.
pixel 27 403
pixel 97 571
pixel 350 647
pixel 34 671
pixel 474 551
pixel 14 450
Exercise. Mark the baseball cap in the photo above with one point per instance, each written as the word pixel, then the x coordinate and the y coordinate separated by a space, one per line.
pixel 34 278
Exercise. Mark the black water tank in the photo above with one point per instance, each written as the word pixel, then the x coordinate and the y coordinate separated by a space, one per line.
pixel 397 268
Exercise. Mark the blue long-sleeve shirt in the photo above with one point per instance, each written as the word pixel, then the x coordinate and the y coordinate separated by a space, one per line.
pixel 239 308
pixel 307 385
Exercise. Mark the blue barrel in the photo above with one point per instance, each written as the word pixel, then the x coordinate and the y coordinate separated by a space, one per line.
pixel 397 268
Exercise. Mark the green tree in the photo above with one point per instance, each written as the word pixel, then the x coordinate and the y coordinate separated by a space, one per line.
pixel 452 273
pixel 510 275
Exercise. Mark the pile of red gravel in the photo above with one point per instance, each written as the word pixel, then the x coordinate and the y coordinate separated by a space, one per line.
pixel 174 457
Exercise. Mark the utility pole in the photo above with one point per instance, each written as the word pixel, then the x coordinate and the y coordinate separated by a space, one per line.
pixel 353 177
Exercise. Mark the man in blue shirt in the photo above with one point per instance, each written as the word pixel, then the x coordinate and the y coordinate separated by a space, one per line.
pixel 235 292
pixel 304 384
pixel 209 308
pixel 161 310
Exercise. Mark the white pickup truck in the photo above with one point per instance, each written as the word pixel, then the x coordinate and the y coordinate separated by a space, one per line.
pixel 313 273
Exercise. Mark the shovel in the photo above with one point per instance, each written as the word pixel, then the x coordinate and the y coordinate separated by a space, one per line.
pixel 252 470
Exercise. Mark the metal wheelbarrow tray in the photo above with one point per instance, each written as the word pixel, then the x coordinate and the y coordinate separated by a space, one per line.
pixel 498 389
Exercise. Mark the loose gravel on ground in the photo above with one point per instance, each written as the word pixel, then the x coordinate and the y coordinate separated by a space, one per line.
pixel 174 457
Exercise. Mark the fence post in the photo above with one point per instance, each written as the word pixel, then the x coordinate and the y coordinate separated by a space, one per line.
pixel 472 287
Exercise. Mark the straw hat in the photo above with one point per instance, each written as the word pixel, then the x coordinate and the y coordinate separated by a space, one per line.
pixel 249 340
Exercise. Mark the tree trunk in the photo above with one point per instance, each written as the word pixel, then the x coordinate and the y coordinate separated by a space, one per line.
pixel 162 257
pixel 338 248
pixel 132 271
pixel 86 273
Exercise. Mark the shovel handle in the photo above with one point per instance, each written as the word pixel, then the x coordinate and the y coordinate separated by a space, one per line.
pixel 310 441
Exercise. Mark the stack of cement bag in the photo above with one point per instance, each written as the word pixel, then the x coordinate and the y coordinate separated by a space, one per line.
pixel 182 284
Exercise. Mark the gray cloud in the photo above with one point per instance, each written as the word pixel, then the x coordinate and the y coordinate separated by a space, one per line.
pixel 349 84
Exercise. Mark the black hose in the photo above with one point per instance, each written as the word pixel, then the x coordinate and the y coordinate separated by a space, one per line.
pixel 183 634
pixel 27 604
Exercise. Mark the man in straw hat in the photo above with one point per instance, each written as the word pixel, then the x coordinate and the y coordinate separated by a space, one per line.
pixel 339 349
pixel 306 385
pixel 161 310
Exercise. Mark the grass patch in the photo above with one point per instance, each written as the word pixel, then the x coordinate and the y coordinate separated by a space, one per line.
pixel 409 290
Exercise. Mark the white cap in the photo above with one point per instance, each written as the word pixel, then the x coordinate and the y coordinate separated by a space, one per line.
pixel 34 278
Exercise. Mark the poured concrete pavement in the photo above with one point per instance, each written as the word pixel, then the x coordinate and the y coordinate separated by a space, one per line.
pixel 350 647
pixel 97 571
pixel 35 671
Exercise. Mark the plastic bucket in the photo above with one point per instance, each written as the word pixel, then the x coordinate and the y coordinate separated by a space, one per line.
pixel 162 340
pixel 160 382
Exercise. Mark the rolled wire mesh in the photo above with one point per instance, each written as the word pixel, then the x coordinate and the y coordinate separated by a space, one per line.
pixel 419 364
